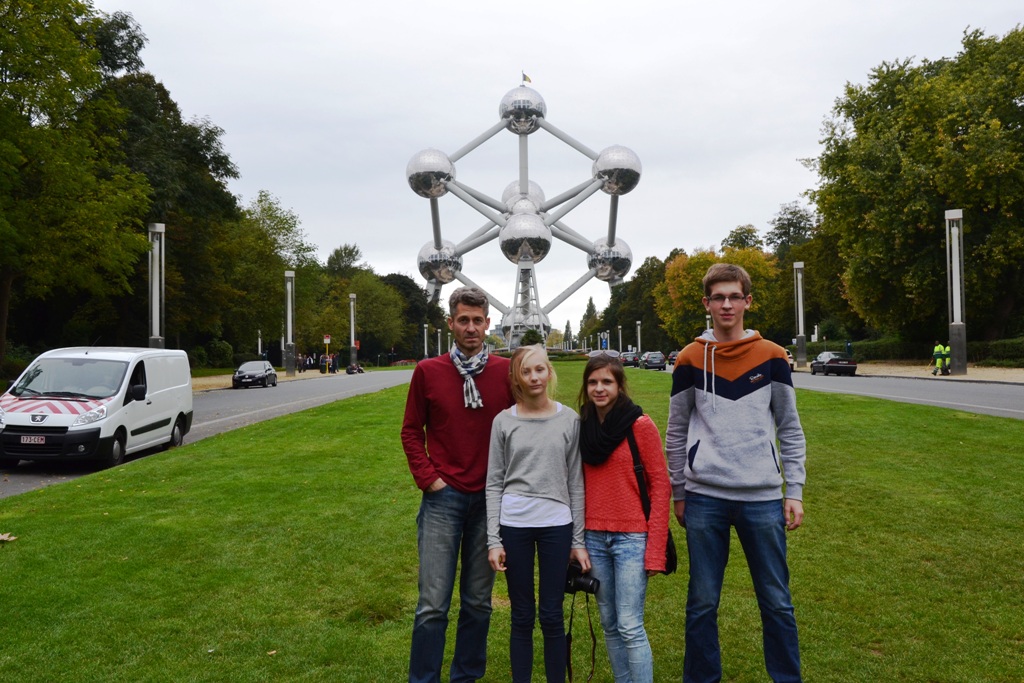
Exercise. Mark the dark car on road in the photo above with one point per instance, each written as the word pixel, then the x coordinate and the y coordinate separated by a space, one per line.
pixel 834 362
pixel 672 355
pixel 254 373
pixel 629 358
pixel 652 360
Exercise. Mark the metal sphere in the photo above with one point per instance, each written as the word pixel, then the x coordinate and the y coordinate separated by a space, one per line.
pixel 525 237
pixel 619 167
pixel 533 192
pixel 612 262
pixel 521 204
pixel 428 171
pixel 440 265
pixel 522 107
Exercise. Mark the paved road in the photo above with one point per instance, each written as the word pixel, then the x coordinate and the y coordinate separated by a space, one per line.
pixel 220 411
pixel 1002 399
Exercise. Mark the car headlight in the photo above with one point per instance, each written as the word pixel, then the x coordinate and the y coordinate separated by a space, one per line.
pixel 93 415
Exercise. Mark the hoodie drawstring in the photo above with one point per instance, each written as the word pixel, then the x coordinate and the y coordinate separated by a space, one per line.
pixel 714 396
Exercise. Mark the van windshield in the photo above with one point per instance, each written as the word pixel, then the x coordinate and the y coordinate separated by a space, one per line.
pixel 71 378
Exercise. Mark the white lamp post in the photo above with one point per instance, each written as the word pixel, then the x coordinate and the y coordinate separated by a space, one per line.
pixel 801 336
pixel 157 263
pixel 638 336
pixel 955 292
pixel 353 351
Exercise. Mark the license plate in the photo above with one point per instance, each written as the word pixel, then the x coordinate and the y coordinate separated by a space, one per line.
pixel 33 439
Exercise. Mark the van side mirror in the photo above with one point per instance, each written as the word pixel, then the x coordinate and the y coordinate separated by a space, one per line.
pixel 138 392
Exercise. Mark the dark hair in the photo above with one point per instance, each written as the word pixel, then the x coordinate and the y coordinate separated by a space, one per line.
pixel 614 366
pixel 726 272
pixel 473 297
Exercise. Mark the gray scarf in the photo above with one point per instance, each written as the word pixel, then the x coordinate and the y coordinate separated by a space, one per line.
pixel 469 368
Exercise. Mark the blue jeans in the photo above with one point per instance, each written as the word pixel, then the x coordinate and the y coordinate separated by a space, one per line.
pixel 761 528
pixel 617 561
pixel 449 523
pixel 552 545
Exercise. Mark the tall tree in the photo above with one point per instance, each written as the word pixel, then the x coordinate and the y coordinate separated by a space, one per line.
pixel 898 152
pixel 69 205
pixel 792 226
pixel 743 237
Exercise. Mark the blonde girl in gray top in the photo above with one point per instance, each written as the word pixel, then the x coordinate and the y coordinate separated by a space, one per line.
pixel 535 509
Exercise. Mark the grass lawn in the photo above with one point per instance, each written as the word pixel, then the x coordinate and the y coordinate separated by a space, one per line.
pixel 286 551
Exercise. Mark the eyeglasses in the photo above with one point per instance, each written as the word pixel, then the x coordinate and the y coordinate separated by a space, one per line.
pixel 611 353
pixel 733 298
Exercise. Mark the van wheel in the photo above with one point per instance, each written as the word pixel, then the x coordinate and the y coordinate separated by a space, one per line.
pixel 116 455
pixel 177 435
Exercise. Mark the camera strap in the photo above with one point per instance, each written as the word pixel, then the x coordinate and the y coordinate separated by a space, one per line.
pixel 568 638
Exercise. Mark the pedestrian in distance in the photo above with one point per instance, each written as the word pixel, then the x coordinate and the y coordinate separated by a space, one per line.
pixel 626 544
pixel 452 401
pixel 736 458
pixel 938 353
pixel 535 510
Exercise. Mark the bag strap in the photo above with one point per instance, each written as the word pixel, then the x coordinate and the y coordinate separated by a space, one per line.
pixel 638 470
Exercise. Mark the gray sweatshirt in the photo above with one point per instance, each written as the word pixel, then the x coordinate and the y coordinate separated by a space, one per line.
pixel 535 457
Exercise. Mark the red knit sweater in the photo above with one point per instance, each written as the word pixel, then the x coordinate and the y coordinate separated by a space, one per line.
pixel 613 498
pixel 440 435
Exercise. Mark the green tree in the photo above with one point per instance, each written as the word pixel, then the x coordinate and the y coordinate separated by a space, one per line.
pixel 898 152
pixel 589 322
pixel 567 336
pixel 531 337
pixel 743 237
pixel 344 261
pixel 69 205
pixel 792 226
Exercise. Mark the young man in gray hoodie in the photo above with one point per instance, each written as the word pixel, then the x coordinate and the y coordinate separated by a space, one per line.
pixel 736 455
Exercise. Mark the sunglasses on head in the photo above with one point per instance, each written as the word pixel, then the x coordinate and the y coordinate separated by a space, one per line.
pixel 611 353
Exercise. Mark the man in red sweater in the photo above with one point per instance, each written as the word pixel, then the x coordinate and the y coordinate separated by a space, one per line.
pixel 445 434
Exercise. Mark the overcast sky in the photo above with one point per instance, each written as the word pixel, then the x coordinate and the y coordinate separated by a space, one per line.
pixel 323 103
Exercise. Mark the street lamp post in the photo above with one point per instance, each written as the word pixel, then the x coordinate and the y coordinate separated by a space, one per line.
pixel 955 289
pixel 620 338
pixel 638 336
pixel 439 341
pixel 353 356
pixel 707 321
pixel 425 341
pixel 288 348
pixel 801 336
pixel 157 266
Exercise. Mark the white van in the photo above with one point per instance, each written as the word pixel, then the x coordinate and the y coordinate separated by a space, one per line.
pixel 95 403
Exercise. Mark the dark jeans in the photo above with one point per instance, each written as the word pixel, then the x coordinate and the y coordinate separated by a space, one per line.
pixel 551 546
pixel 761 528
pixel 451 522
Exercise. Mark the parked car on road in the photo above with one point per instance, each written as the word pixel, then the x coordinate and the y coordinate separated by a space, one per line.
pixel 254 373
pixel 834 362
pixel 629 358
pixel 789 357
pixel 672 355
pixel 652 360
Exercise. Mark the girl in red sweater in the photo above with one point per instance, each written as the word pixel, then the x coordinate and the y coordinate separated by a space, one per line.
pixel 625 547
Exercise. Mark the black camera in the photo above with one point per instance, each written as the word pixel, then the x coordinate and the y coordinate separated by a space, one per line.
pixel 576 580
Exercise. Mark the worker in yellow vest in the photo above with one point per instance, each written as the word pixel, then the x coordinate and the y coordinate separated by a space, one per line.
pixel 945 360
pixel 937 354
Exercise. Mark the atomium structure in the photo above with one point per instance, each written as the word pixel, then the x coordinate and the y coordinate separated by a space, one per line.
pixel 523 220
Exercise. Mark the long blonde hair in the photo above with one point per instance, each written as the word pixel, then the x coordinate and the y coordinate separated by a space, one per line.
pixel 519 357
